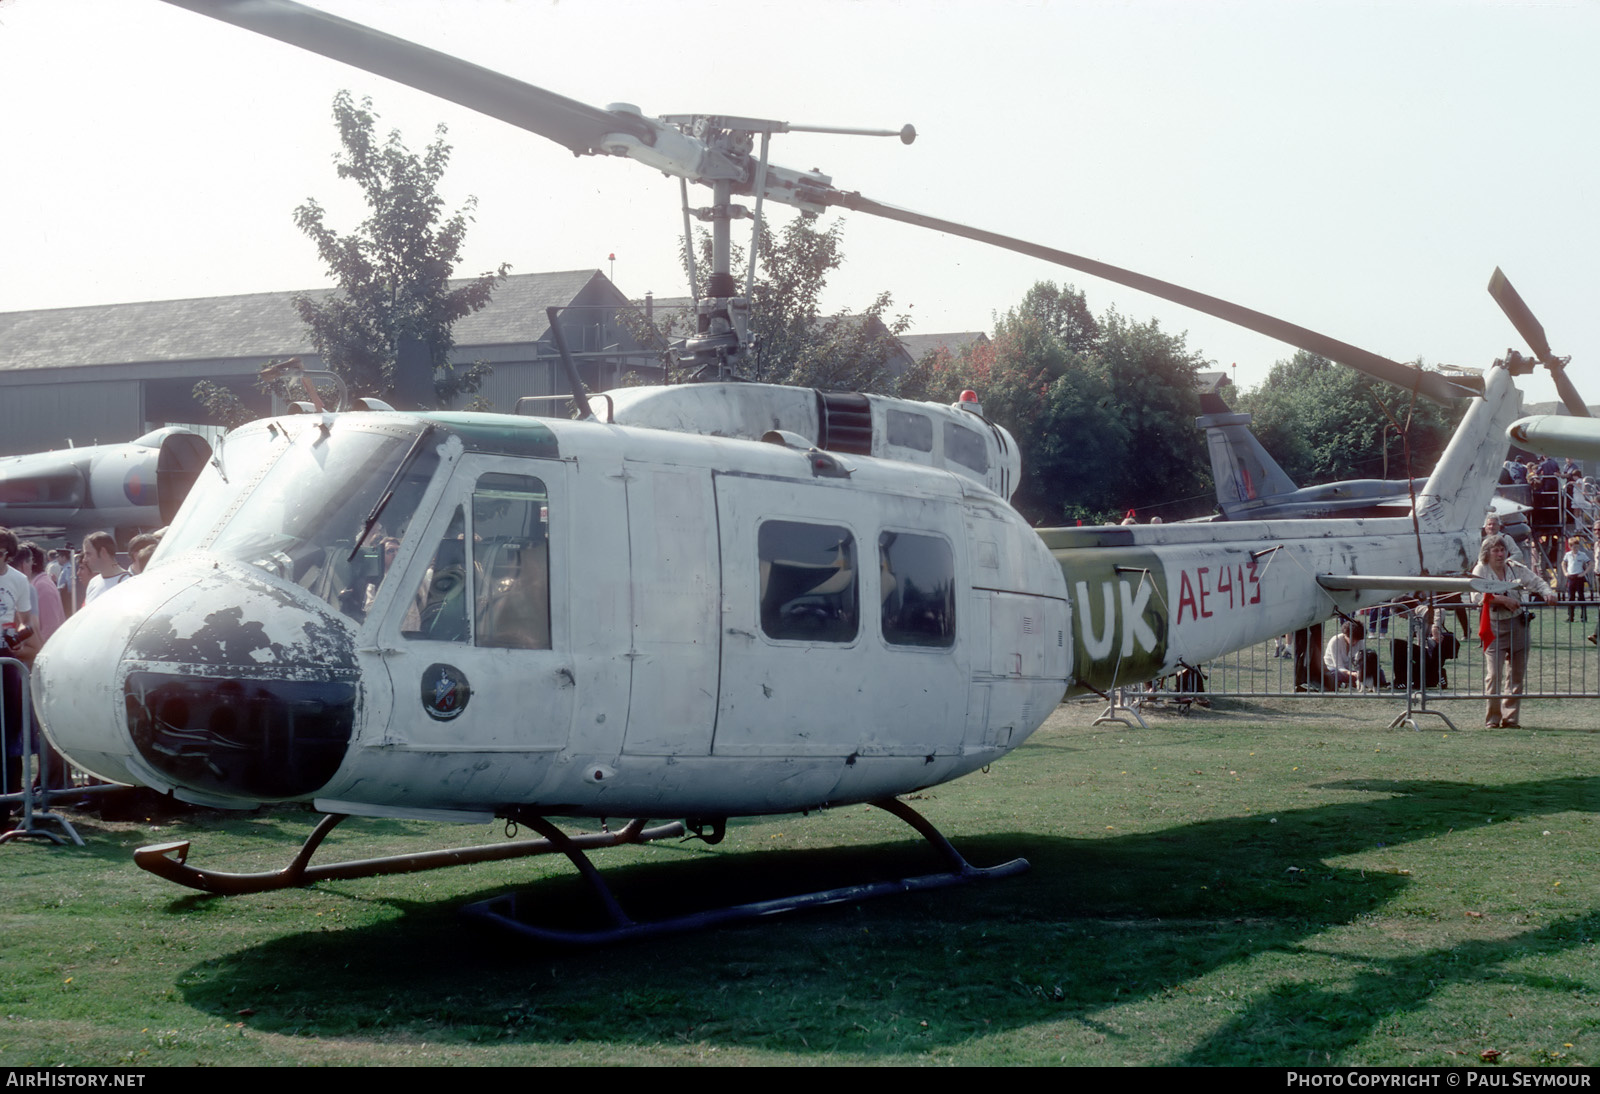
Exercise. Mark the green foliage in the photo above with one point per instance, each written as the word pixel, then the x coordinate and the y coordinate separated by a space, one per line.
pixel 222 404
pixel 796 343
pixel 1152 379
pixel 226 407
pixel 1323 422
pixel 1102 409
pixel 393 271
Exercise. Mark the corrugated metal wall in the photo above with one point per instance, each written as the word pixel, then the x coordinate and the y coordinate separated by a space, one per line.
pixel 40 417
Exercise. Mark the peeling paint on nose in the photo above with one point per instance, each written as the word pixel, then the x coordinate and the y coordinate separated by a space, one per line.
pixel 227 685
pixel 262 625
pixel 257 699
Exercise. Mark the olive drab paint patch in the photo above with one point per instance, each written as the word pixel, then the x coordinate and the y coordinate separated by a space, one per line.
pixel 1121 614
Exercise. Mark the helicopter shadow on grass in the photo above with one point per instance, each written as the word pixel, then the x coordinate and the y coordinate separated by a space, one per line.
pixel 1096 923
pixel 1299 1024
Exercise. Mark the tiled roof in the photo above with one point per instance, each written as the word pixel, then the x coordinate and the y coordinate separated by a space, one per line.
pixel 253 325
pixel 920 345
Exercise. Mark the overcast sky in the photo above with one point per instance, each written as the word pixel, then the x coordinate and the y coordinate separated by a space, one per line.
pixel 1359 169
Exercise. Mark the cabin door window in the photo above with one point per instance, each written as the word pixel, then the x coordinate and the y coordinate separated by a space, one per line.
pixel 917 582
pixel 808 582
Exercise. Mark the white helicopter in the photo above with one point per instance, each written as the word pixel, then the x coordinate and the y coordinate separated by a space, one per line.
pixel 702 601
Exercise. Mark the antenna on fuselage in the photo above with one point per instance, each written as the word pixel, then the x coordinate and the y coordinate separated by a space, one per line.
pixel 579 395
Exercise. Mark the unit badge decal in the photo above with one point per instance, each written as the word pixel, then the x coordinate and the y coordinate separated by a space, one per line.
pixel 445 691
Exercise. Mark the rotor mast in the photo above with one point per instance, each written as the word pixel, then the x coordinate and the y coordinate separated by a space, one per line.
pixel 722 155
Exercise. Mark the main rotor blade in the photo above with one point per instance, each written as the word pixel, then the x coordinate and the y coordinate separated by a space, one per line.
pixel 566 121
pixel 1520 314
pixel 1430 385
pixel 583 128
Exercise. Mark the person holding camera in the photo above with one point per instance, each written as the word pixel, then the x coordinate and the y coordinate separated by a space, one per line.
pixel 1503 629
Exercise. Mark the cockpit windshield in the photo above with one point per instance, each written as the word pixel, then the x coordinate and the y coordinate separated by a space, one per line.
pixel 323 508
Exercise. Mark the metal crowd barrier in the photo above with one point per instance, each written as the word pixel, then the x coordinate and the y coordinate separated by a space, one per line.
pixel 1563 663
pixel 29 765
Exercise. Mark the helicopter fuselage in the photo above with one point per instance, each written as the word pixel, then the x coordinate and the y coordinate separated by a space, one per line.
pixel 456 614
pixel 593 619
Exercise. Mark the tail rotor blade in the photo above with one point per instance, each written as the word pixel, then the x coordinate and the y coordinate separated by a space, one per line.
pixel 1532 332
pixel 1569 392
pixel 1520 314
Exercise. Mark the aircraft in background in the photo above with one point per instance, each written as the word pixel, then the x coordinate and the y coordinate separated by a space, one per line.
pixel 1557 435
pixel 1252 486
pixel 120 488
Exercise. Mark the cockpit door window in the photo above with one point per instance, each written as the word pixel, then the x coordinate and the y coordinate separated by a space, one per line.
pixel 488 581
pixel 511 552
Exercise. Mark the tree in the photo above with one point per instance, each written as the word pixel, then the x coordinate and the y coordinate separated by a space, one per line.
pixel 1151 375
pixel 393 299
pixel 796 343
pixel 1102 409
pixel 394 271
pixel 1060 311
pixel 1324 422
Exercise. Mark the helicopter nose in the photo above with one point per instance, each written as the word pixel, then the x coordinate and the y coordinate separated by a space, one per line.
pixel 226 689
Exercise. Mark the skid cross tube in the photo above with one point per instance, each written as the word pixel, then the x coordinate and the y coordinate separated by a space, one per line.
pixel 169 860
pixel 502 911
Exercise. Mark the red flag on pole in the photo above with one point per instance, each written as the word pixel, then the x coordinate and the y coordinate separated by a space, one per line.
pixel 1485 626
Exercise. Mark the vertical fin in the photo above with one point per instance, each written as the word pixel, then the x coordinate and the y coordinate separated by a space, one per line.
pixel 1457 493
pixel 1244 473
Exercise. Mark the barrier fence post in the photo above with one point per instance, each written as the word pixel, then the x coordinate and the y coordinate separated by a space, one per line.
pixel 14 675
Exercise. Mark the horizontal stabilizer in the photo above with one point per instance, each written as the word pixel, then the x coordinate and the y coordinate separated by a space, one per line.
pixel 1413 584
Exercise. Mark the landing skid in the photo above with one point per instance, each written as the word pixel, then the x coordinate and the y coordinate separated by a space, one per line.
pixel 502 911
pixel 169 860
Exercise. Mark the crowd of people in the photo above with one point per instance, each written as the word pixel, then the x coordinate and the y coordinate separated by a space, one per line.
pixel 1559 557
pixel 1561 500
pixel 1502 624
pixel 38 590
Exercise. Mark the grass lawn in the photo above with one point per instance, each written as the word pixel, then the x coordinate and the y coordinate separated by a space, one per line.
pixel 1267 882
